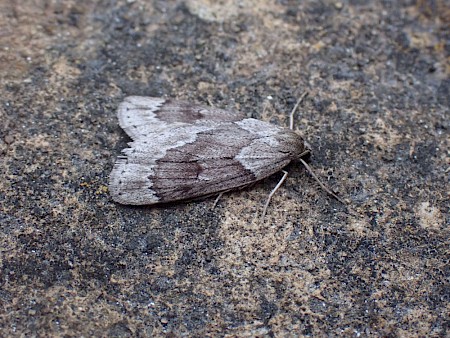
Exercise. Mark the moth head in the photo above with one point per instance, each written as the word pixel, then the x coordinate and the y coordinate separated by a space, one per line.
pixel 294 144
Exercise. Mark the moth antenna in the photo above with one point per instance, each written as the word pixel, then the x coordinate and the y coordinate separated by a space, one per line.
pixel 323 186
pixel 291 117
pixel 291 126
pixel 285 173
pixel 274 190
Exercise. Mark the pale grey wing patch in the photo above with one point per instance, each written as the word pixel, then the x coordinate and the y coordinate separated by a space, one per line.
pixel 260 128
pixel 139 115
pixel 130 183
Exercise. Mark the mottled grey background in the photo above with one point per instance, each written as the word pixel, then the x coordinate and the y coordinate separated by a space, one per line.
pixel 73 263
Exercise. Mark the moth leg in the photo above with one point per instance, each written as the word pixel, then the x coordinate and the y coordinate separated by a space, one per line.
pixel 217 199
pixel 285 173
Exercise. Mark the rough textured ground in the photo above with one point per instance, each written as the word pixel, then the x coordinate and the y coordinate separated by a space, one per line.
pixel 73 263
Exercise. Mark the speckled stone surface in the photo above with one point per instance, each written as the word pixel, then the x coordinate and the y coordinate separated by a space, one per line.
pixel 73 263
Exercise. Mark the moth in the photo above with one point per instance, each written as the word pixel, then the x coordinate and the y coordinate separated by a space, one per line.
pixel 183 151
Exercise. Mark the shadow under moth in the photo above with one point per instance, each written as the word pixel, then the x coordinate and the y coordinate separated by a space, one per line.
pixel 183 151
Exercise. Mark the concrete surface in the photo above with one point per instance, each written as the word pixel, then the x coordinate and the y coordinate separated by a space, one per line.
pixel 73 263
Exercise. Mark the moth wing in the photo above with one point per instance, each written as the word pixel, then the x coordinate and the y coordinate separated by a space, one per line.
pixel 203 159
pixel 216 176
pixel 140 115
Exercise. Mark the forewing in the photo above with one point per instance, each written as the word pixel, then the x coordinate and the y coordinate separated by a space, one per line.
pixel 190 161
pixel 140 115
